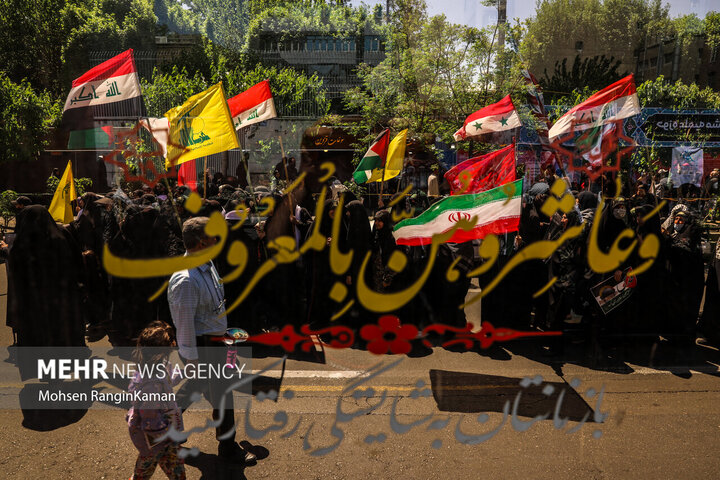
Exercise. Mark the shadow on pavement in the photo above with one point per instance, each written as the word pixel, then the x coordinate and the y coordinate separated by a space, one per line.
pixel 213 467
pixel 45 420
pixel 472 393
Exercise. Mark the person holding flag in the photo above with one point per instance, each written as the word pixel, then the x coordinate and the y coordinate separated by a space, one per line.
pixel 60 207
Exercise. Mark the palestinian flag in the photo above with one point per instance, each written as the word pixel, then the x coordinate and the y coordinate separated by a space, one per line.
pixel 110 90
pixel 252 106
pixel 483 173
pixel 495 118
pixel 614 102
pixel 497 212
pixel 374 158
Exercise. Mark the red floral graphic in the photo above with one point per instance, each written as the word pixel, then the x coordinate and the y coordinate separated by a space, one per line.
pixel 389 335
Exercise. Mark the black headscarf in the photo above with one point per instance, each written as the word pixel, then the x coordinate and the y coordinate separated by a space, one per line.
pixel 587 200
pixel 44 299
pixel 359 236
pixel 383 240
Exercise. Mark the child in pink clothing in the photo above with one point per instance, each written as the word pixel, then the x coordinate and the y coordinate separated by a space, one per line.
pixel 150 420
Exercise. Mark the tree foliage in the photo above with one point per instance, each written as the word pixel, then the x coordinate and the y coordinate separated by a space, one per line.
pixel 434 75
pixel 594 73
pixel 678 95
pixel 614 27
pixel 56 36
pixel 26 117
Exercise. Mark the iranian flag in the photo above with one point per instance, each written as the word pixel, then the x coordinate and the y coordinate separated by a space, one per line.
pixel 614 102
pixel 497 212
pixel 112 89
pixel 483 173
pixel 495 118
pixel 374 158
pixel 252 106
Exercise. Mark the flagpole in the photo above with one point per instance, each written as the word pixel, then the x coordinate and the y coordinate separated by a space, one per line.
pixel 246 163
pixel 204 177
pixel 382 184
pixel 287 177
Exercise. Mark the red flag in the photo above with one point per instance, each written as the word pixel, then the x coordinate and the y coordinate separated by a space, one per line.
pixel 111 89
pixel 498 117
pixel 253 105
pixel 614 102
pixel 483 173
pixel 187 175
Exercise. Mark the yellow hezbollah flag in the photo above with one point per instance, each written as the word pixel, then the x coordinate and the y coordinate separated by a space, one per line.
pixel 60 207
pixel 395 159
pixel 199 127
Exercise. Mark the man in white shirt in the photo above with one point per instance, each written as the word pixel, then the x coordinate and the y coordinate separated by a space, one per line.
pixel 197 305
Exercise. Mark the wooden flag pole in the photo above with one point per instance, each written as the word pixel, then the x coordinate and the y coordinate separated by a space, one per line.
pixel 204 177
pixel 381 204
pixel 245 161
pixel 287 177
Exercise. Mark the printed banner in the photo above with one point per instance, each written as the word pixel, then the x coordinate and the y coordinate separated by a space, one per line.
pixel 687 166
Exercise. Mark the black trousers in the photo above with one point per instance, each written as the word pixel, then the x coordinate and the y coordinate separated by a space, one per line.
pixel 214 390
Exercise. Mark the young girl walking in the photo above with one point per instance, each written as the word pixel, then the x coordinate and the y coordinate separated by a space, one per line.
pixel 150 420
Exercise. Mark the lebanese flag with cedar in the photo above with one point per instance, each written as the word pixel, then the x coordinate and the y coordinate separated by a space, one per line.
pixel 252 106
pixel 498 117
pixel 613 102
pixel 112 89
pixel 482 173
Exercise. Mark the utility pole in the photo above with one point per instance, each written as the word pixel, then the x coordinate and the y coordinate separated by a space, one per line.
pixel 501 21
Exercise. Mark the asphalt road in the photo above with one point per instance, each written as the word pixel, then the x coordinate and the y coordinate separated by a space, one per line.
pixel 640 411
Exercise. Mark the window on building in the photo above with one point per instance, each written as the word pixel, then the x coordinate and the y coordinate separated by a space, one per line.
pixel 668 58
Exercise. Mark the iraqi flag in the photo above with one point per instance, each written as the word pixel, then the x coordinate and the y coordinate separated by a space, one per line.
pixel 374 159
pixel 110 90
pixel 614 102
pixel 489 121
pixel 497 211
pixel 252 106
pixel 482 173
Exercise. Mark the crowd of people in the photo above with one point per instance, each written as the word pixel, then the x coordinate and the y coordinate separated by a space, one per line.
pixel 60 294
pixel 63 263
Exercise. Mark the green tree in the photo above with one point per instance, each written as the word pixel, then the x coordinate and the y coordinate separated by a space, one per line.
pixel 594 73
pixel 565 28
pixel 105 25
pixel 167 90
pixel 7 209
pixel 678 95
pixel 27 117
pixel 40 28
pixel 434 75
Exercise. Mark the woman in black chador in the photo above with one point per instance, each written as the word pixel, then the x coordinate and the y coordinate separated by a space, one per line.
pixel 44 294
